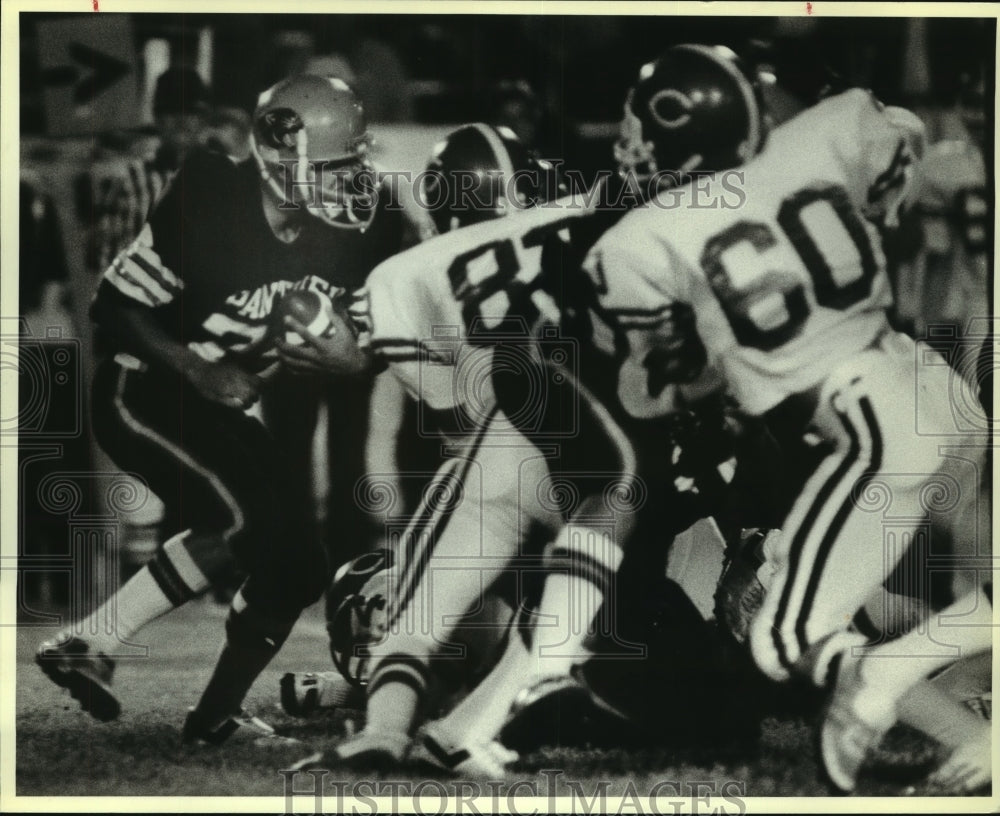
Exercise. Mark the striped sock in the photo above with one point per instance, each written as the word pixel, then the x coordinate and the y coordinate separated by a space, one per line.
pixel 397 689
pixel 170 579
pixel 583 562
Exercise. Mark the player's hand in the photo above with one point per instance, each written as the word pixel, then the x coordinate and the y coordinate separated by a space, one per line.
pixel 336 354
pixel 224 383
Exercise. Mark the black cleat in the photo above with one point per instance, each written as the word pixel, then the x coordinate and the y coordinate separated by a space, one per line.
pixel 200 729
pixel 69 663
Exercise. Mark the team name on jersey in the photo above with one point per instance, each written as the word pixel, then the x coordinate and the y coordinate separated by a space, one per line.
pixel 257 304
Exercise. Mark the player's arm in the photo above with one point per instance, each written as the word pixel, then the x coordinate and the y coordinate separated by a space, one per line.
pixel 640 316
pixel 889 144
pixel 137 330
pixel 141 282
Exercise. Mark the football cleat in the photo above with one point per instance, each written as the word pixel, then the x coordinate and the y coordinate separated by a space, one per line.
pixel 565 689
pixel 370 751
pixel 433 750
pixel 570 690
pixel 739 594
pixel 846 738
pixel 69 663
pixel 305 693
pixel 199 729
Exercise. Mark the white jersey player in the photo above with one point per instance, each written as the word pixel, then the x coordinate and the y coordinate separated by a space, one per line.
pixel 789 292
pixel 440 316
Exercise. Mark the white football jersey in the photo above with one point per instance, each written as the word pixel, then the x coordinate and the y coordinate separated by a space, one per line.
pixel 784 272
pixel 418 309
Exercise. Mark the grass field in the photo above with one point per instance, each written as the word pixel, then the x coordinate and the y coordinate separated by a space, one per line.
pixel 62 751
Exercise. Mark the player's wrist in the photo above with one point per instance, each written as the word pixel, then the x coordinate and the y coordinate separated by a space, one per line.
pixel 189 364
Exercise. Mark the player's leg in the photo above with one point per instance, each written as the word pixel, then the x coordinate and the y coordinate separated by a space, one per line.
pixel 883 684
pixel 287 571
pixel 444 576
pixel 836 548
pixel 173 442
pixel 597 476
pixel 581 562
pixel 835 551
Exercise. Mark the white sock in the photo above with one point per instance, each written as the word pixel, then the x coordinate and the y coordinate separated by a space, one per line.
pixel 142 598
pixel 965 628
pixel 480 716
pixel 572 597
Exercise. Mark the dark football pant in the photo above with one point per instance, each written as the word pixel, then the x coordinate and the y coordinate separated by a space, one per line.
pixel 219 474
pixel 291 410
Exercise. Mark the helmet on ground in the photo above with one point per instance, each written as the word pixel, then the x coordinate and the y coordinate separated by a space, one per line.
pixel 356 611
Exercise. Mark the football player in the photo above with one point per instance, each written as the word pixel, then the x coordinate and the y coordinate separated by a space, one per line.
pixel 184 315
pixel 648 373
pixel 525 271
pixel 438 316
pixel 789 293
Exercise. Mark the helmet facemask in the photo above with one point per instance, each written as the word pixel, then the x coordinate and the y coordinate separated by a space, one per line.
pixel 636 156
pixel 311 144
pixel 340 192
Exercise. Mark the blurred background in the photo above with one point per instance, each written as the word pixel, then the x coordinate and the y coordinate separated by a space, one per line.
pixel 109 103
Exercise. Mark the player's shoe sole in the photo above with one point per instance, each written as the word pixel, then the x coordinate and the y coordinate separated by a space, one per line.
pixel 70 664
pixel 563 704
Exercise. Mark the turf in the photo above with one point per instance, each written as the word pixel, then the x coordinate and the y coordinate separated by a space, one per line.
pixel 63 752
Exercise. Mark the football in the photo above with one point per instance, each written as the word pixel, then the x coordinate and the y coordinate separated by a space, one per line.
pixel 312 309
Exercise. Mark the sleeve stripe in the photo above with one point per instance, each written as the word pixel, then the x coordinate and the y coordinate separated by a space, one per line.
pixel 124 271
pixel 208 350
pixel 138 273
pixel 127 288
pixel 147 258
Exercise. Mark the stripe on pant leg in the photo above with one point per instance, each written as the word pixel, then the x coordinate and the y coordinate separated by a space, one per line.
pixel 873 449
pixel 797 545
pixel 216 483
pixel 176 551
pixel 576 564
pixel 430 521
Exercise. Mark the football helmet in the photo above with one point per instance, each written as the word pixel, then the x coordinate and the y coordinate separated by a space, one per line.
pixel 356 614
pixel 315 127
pixel 477 173
pixel 800 68
pixel 695 108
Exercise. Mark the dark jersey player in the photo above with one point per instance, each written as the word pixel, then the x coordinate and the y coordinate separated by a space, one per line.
pixel 184 316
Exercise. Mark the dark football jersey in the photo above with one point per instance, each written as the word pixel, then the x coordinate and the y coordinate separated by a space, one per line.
pixel 211 269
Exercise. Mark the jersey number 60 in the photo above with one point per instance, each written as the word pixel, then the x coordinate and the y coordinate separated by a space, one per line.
pixel 737 304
